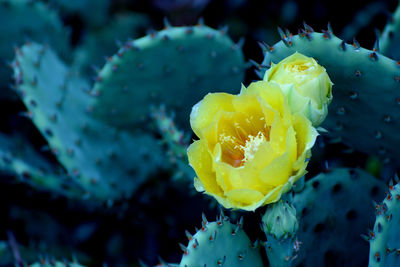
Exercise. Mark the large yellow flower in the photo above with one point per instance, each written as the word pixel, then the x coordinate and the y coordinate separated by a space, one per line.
pixel 251 148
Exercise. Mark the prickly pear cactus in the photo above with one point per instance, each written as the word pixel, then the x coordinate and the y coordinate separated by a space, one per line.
pixel 175 66
pixel 359 76
pixel 384 240
pixel 104 161
pixel 220 243
pixel 31 20
pixel 334 209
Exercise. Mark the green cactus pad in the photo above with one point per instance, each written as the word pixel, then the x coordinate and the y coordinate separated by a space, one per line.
pixel 328 218
pixel 176 66
pixel 385 238
pixel 390 38
pixel 31 20
pixel 19 159
pixel 108 163
pixel 220 243
pixel 101 43
pixel 365 111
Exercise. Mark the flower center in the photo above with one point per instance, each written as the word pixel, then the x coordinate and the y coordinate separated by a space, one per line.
pixel 251 146
pixel 239 143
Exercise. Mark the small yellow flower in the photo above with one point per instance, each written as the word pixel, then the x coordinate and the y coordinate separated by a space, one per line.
pixel 306 85
pixel 251 148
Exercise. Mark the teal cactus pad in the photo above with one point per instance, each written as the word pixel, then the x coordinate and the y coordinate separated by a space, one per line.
pixel 109 164
pixel 176 66
pixel 334 209
pixel 31 20
pixel 101 43
pixel 385 238
pixel 19 159
pixel 220 243
pixel 365 111
pixel 390 37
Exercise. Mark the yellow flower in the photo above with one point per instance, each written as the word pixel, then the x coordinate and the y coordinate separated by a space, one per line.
pixel 306 85
pixel 251 148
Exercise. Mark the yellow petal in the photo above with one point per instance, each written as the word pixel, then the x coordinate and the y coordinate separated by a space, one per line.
pixel 200 160
pixel 273 195
pixel 278 135
pixel 291 144
pixel 278 171
pixel 305 133
pixel 269 92
pixel 203 112
pixel 244 196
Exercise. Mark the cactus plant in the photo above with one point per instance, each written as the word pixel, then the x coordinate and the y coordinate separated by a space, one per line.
pixel 328 219
pixel 72 145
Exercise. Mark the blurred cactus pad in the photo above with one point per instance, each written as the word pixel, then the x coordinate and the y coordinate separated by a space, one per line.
pixel 95 104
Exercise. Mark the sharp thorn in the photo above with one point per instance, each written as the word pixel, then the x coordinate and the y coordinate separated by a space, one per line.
pixel 307 28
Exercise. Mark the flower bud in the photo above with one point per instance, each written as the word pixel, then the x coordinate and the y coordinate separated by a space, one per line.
pixel 306 85
pixel 280 220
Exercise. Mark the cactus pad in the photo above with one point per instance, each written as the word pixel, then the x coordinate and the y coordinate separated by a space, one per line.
pixel 329 219
pixel 220 243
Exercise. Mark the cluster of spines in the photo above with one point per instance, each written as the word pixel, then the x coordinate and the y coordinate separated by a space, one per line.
pixel 306 32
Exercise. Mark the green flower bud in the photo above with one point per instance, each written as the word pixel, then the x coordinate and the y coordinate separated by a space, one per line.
pixel 280 220
pixel 306 85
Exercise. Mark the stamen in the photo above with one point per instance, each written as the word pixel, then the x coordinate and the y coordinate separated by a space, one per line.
pixel 251 146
